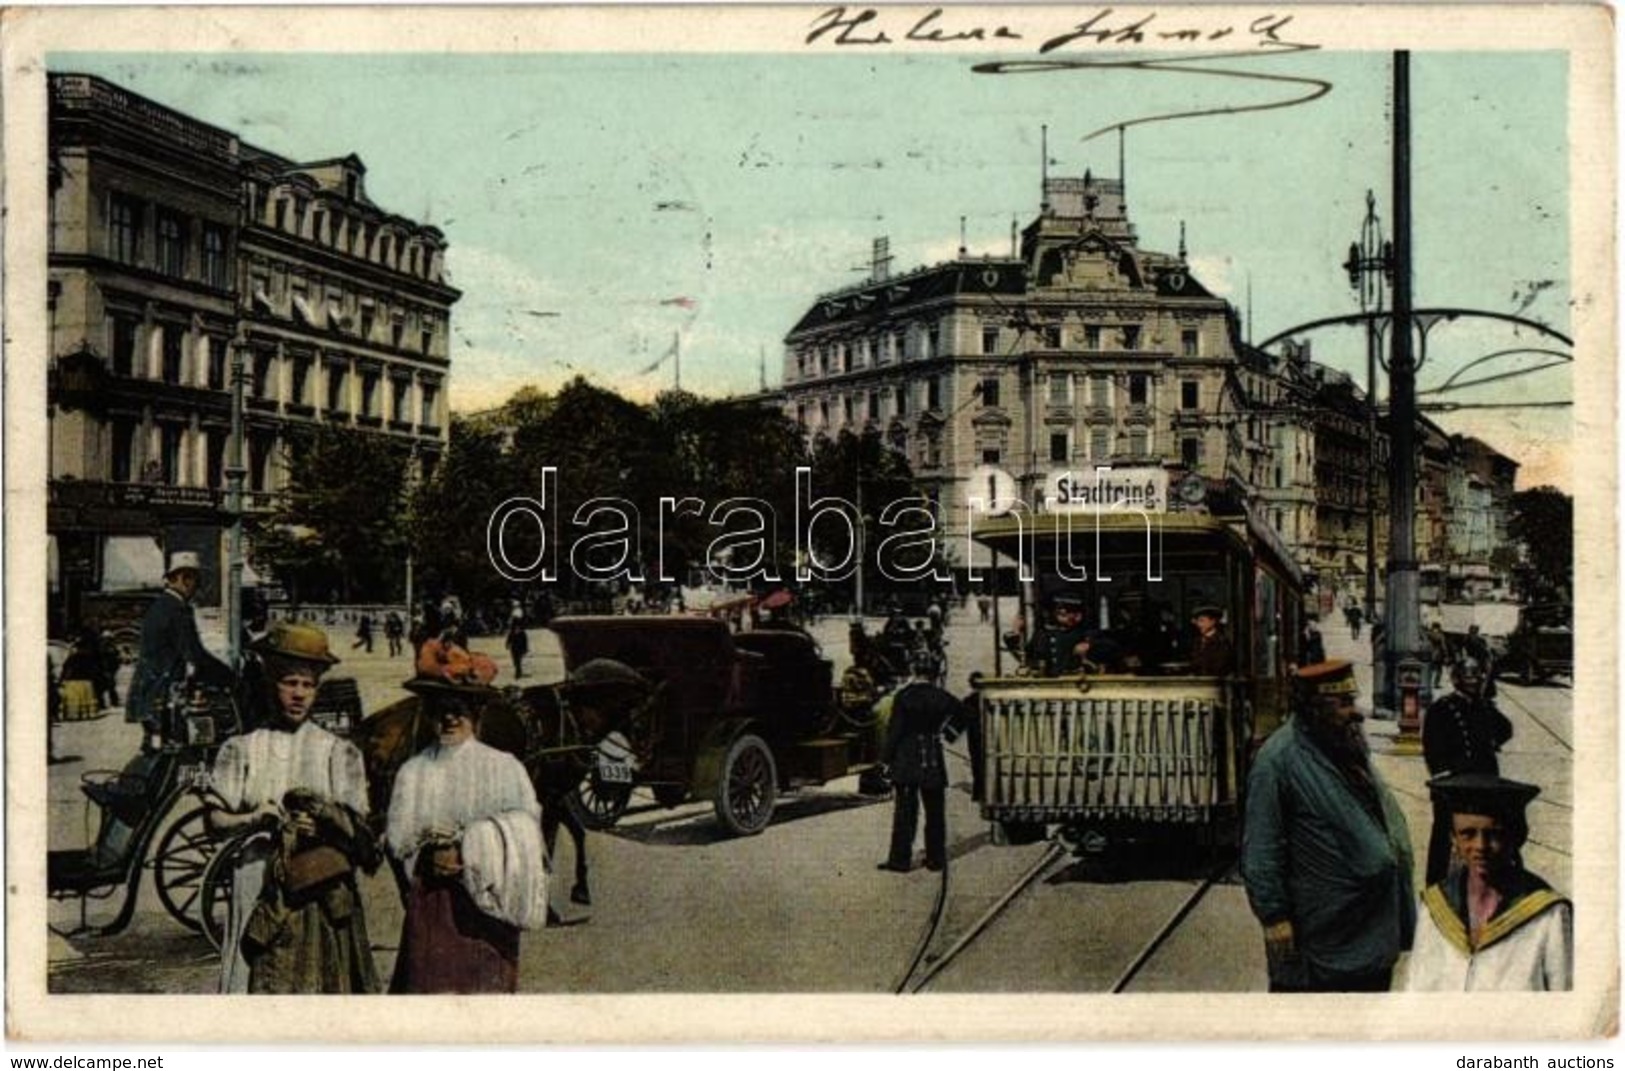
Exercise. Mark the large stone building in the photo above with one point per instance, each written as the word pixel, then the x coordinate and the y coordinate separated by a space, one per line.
pixel 1079 350
pixel 171 242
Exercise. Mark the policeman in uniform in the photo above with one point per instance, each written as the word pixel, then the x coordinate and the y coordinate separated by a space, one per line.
pixel 1057 648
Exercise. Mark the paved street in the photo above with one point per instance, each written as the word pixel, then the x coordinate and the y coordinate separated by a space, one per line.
pixel 679 907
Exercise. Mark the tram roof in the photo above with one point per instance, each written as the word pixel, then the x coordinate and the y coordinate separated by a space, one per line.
pixel 1001 532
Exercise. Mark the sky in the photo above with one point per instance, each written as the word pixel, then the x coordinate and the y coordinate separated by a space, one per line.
pixel 600 206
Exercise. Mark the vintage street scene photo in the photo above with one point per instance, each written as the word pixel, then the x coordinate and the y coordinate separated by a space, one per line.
pixel 837 501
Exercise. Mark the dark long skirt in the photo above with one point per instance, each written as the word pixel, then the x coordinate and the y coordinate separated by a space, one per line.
pixel 449 946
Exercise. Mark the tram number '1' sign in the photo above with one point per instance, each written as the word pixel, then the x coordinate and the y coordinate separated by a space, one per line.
pixel 1106 490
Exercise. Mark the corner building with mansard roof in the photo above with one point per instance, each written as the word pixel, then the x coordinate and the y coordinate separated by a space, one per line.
pixel 1081 350
pixel 172 241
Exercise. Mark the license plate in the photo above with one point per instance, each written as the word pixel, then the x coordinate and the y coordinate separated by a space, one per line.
pixel 617 772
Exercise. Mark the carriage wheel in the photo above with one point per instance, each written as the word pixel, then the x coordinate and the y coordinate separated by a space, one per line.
pixel 178 865
pixel 597 804
pixel 747 788
pixel 217 885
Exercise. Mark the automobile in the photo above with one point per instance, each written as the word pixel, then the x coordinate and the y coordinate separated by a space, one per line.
pixel 736 719
pixel 1541 645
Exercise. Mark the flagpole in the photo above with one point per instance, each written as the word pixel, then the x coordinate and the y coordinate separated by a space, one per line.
pixel 677 359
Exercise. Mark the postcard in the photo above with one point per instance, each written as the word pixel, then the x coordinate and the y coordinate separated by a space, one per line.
pixel 811 523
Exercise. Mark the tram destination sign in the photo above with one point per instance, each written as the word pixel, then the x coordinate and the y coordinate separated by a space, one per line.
pixel 1106 489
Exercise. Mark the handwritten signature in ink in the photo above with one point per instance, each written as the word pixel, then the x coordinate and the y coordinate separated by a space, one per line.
pixel 867 26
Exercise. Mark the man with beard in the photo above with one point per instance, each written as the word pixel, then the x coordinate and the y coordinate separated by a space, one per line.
pixel 1325 852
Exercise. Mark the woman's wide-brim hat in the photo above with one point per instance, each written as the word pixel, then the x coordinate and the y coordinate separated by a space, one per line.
pixel 299 642
pixel 447 669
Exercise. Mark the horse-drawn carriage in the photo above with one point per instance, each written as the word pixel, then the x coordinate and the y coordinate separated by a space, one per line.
pixel 150 815
pixel 735 719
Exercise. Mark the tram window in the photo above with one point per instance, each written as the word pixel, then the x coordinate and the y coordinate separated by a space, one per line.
pixel 1267 625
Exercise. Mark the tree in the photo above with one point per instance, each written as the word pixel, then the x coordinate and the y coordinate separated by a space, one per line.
pixel 336 532
pixel 1542 520
pixel 449 514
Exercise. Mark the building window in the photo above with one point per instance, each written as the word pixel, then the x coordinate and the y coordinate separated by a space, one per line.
pixel 1060 446
pixel 259 462
pixel 990 455
pixel 300 207
pixel 397 404
pixel 1190 394
pixel 171 353
pixel 169 452
pixel 386 250
pixel 1060 388
pixel 990 340
pixel 897 346
pixel 933 393
pixel 426 339
pixel 1188 343
pixel 369 390
pixel 1091 336
pixel 396 330
pixel 1138 442
pixel 1052 337
pixel 933 338
pixel 1100 442
pixel 335 389
pixel 801 414
pixel 366 322
pixel 262 373
pixel 123 460
pixel 301 378
pixel 1100 392
pixel 281 213
pixel 171 244
pixel 1137 389
pixel 990 391
pixel 124 329
pixel 847 409
pixel 900 401
pixel 214 256
pixel 1190 451
pixel 124 229
pixel 933 451
pixel 215 446
pixel 217 363
pixel 1131 336
pixel 874 405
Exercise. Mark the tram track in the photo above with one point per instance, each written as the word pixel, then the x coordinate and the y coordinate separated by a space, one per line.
pixel 1536 718
pixel 926 964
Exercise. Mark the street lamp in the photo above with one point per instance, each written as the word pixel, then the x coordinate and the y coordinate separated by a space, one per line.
pixel 234 510
pixel 1370 266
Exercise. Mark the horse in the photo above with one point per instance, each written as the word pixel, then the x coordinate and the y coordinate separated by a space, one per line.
pixel 553 729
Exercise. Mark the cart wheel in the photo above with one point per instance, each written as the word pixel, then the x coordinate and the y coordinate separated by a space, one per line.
pixel 598 805
pixel 215 898
pixel 747 788
pixel 183 855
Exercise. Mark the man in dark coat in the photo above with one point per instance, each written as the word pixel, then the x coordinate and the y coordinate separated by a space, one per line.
pixel 169 644
pixel 1057 648
pixel 1211 653
pixel 1461 732
pixel 913 755
pixel 1325 852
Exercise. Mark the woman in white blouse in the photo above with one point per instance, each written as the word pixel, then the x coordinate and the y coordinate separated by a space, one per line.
pixel 464 819
pixel 295 922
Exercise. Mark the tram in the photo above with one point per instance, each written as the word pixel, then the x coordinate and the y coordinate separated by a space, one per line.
pixel 1145 745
